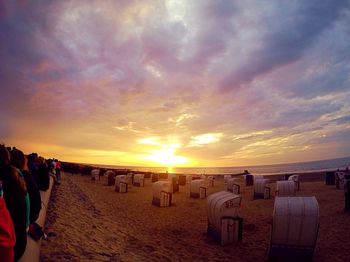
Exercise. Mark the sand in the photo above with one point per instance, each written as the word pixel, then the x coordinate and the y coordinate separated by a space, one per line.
pixel 87 221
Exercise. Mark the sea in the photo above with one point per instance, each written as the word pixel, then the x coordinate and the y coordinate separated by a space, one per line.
pixel 301 167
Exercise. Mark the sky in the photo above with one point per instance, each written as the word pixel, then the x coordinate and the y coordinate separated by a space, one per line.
pixel 176 83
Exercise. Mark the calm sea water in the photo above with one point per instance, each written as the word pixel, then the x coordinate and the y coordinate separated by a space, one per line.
pixel 322 165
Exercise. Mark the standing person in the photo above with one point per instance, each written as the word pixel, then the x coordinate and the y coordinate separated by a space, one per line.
pixel 33 166
pixel 19 161
pixel 58 171
pixel 14 195
pixel 52 166
pixel 7 232
pixel 43 176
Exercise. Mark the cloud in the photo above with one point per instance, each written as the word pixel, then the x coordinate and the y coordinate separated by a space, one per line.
pixel 284 42
pixel 342 120
pixel 204 139
pixel 214 76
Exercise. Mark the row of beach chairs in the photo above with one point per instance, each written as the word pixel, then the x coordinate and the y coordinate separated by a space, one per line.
pixel 262 188
pixel 295 219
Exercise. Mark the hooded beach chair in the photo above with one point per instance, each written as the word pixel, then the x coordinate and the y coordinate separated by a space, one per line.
pixel 224 223
pixel 285 188
pixel 162 193
pixel 233 185
pixel 198 189
pixel 294 229
pixel 262 189
pixel 296 180
pixel 139 180
pixel 121 184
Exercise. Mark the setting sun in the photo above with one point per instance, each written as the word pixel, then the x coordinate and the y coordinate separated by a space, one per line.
pixel 166 157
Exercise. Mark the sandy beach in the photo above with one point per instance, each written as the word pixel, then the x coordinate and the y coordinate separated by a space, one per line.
pixel 87 221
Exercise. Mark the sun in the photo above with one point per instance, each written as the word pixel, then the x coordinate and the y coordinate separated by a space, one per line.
pixel 162 152
pixel 166 157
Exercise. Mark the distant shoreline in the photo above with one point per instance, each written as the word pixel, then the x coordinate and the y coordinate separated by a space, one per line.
pixel 265 170
pixel 309 175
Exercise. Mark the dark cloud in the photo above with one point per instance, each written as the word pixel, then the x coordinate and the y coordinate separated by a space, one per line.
pixel 217 28
pixel 288 34
pixel 342 120
pixel 305 114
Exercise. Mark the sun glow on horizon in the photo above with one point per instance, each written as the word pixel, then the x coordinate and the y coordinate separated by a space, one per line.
pixel 166 157
pixel 163 152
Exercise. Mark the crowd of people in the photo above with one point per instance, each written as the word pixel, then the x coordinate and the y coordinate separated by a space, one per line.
pixel 22 177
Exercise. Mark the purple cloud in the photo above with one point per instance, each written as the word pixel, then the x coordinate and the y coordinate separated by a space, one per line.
pixel 286 37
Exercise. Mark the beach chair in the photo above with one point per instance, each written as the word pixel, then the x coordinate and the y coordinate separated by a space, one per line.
pixel 224 223
pixel 109 178
pixel 162 193
pixel 294 229
pixel 130 178
pixel 330 178
pixel 198 189
pixel 296 180
pixel 155 177
pixel 139 180
pixel 175 182
pixel 233 185
pixel 163 175
pixel 211 180
pixel 256 177
pixel 226 178
pixel 147 175
pixel 182 180
pixel 347 195
pixel 188 178
pixel 340 180
pixel 262 189
pixel 121 185
pixel 248 179
pixel 285 188
pixel 95 174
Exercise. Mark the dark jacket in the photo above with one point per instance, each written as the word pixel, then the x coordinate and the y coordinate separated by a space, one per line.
pixel 34 196
pixel 43 177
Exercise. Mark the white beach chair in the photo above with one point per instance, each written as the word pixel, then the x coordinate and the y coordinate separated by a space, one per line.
pixel 262 189
pixel 211 180
pixel 294 229
pixel 95 174
pixel 234 186
pixel 224 223
pixel 256 177
pixel 198 189
pixel 139 180
pixel 162 193
pixel 121 185
pixel 296 180
pixel 130 178
pixel 285 188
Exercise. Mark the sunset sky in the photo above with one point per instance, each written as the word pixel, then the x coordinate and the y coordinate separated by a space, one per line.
pixel 184 83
